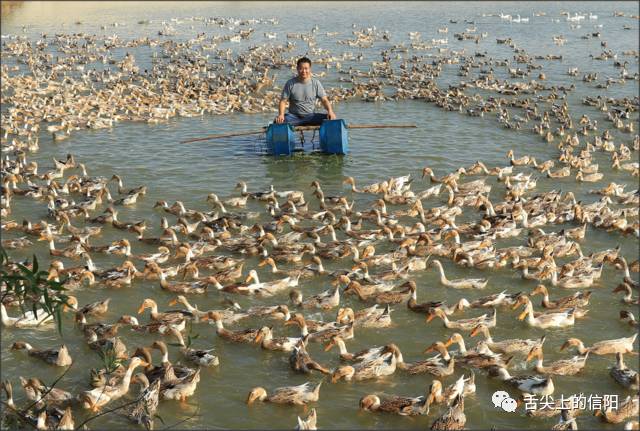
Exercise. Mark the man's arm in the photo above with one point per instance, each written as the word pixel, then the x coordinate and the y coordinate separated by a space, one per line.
pixel 281 107
pixel 327 105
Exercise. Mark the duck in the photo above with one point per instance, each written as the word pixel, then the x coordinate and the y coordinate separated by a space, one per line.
pixel 626 377
pixel 263 196
pixel 394 296
pixel 590 178
pixel 452 419
pixel 628 297
pixel 71 252
pixel 521 346
pixel 372 188
pixel 578 299
pixel 295 395
pixel 301 361
pixel 99 397
pixel 527 384
pixel 243 336
pixel 182 388
pixel 563 367
pixel 629 408
pixel 606 347
pixel 363 355
pixel 59 357
pixel 465 283
pixel 553 319
pixel 161 256
pixel 197 287
pixel 383 365
pixel 239 202
pixel 423 307
pixel 441 365
pixel 26 320
pixel 629 318
pixel 270 288
pixel 400 405
pixel 302 272
pixel 371 317
pixel 201 357
pixel 266 340
pixel 323 333
pixel 465 324
pixel 95 308
pixel 102 330
pixel 174 318
pixel 190 308
pixel 142 412
pixel 480 357
pixel 325 300
pixel 39 392
pixel 308 423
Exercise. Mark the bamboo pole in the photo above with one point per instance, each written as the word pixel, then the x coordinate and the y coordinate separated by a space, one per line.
pixel 301 128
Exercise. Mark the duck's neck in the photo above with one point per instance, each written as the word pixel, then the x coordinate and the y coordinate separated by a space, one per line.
pixel 342 347
pixel 462 346
pixel 6 321
pixel 126 380
pixel 539 367
pixel 304 330
pixel 443 278
pixel 219 325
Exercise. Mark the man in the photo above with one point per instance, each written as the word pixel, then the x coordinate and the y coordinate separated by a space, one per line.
pixel 301 92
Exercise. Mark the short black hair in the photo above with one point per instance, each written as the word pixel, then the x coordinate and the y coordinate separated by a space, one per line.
pixel 303 60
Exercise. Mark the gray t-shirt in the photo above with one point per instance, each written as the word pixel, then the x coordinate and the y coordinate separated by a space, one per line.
pixel 302 96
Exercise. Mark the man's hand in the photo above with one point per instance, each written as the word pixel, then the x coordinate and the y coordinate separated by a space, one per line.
pixel 280 119
pixel 331 115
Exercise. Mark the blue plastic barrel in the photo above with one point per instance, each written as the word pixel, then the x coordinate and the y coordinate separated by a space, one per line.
pixel 280 139
pixel 333 137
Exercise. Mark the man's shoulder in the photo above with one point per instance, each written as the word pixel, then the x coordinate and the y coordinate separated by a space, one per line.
pixel 291 81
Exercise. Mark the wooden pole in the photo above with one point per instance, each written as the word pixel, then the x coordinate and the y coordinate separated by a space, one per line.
pixel 301 128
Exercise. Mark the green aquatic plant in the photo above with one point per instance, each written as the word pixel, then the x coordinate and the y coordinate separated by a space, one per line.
pixel 31 285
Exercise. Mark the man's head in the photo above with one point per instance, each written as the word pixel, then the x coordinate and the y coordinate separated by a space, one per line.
pixel 304 68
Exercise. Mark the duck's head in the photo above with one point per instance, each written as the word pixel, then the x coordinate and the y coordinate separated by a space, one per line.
pixel 212 315
pixel 267 261
pixel 370 402
pixel 295 296
pixel 427 171
pixel 438 346
pixel 178 299
pixel 128 320
pixel 349 180
pixel 435 312
pixel 522 300
pixel 332 342
pixel 71 304
pixel 296 319
pixel 281 312
pixel 137 361
pixel 253 276
pixel 147 303
pixel 454 338
pixel 262 334
pixel 256 394
pixel 535 352
pixel 345 315
pixel 341 279
pixel 345 372
pixel 571 342
pixel 539 290
pixel 478 330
